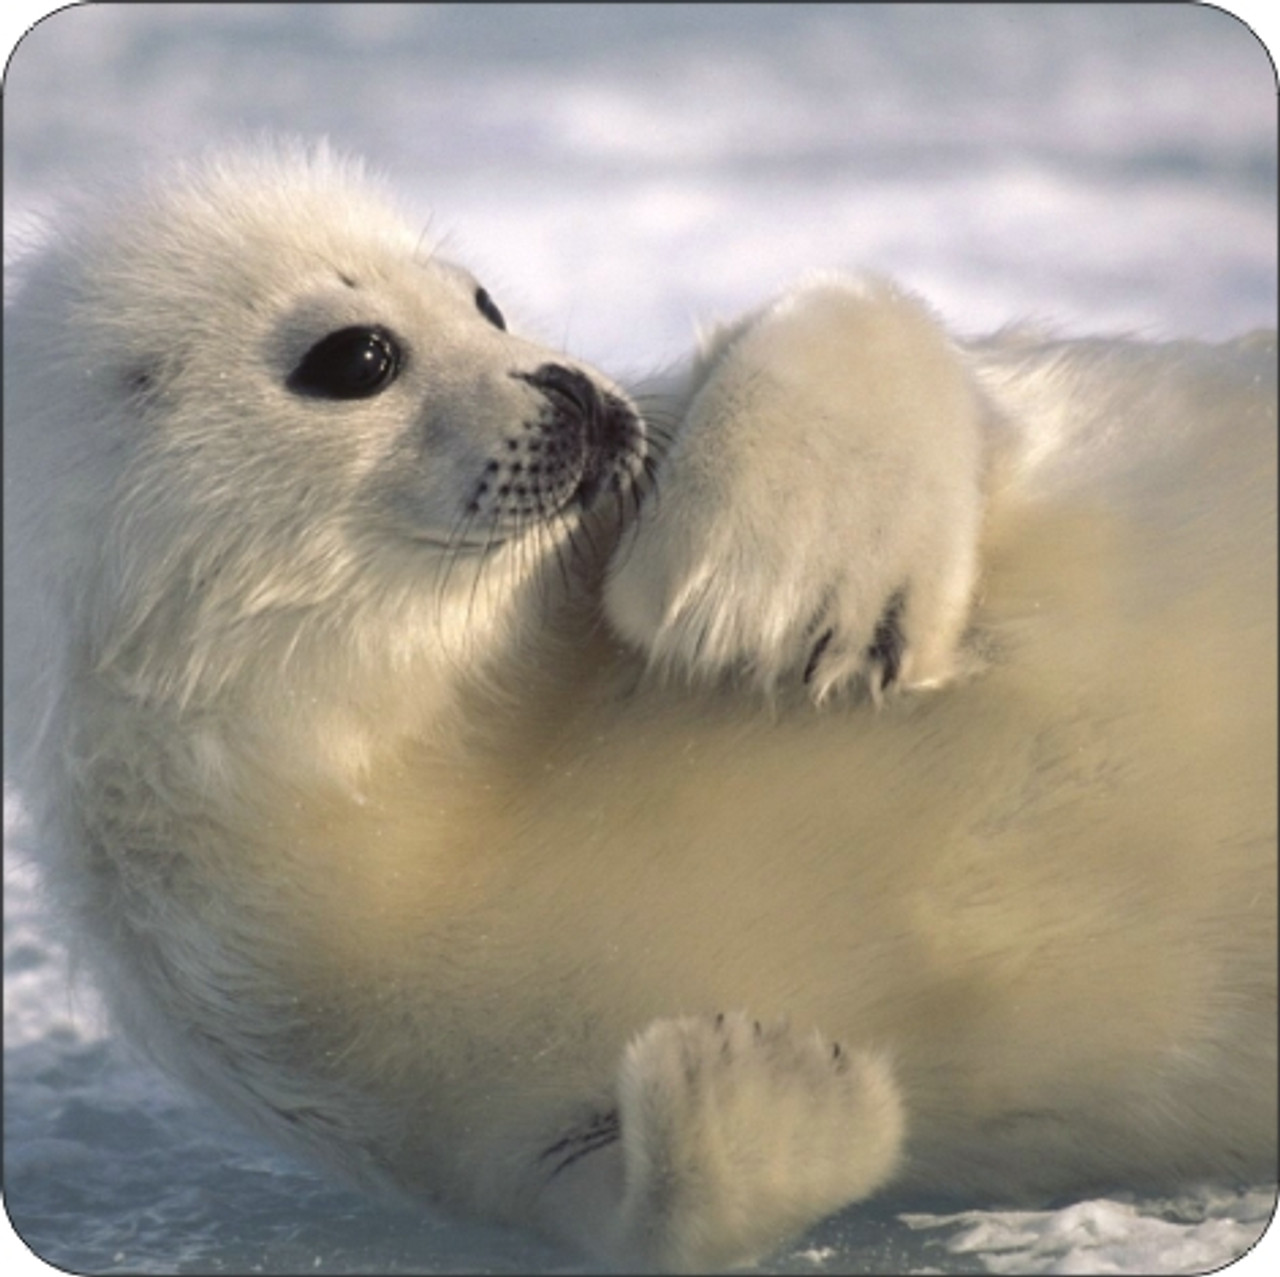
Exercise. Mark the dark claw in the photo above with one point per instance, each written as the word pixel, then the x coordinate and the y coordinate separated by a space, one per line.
pixel 888 641
pixel 816 655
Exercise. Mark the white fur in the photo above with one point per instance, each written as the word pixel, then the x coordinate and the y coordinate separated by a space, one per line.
pixel 840 414
pixel 374 831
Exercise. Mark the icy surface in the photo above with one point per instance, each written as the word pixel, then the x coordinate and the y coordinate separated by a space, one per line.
pixel 615 174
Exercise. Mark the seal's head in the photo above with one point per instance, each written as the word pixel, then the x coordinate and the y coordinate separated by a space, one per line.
pixel 255 398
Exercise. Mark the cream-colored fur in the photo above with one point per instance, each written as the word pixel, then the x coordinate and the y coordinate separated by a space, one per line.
pixel 831 459
pixel 373 829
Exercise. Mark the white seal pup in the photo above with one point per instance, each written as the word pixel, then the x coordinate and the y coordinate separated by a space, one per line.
pixel 376 832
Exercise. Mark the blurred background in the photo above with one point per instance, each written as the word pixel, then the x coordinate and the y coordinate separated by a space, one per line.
pixel 617 174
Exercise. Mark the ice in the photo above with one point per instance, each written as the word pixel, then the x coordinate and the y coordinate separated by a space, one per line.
pixel 1191 1234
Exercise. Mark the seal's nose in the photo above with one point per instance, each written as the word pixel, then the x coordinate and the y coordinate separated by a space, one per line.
pixel 609 432
pixel 569 390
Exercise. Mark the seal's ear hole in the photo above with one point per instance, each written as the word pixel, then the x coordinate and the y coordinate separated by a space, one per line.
pixel 351 363
pixel 139 381
pixel 488 308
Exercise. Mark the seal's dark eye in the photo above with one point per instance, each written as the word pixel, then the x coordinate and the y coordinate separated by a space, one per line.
pixel 486 306
pixel 352 363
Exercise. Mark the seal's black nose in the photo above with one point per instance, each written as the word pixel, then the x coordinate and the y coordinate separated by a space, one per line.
pixel 570 391
pixel 604 425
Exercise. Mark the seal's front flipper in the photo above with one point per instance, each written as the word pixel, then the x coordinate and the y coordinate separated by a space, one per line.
pixel 730 1137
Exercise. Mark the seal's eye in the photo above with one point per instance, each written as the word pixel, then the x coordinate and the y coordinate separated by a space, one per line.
pixel 486 306
pixel 352 363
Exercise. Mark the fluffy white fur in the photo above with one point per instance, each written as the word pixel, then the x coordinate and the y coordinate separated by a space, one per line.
pixel 373 830
pixel 841 414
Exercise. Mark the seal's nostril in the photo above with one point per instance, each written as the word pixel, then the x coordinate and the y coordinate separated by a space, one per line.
pixel 566 387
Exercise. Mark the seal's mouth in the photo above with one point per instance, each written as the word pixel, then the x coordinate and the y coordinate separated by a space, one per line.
pixel 611 463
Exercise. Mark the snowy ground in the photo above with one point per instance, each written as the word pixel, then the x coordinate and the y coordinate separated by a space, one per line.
pixel 615 173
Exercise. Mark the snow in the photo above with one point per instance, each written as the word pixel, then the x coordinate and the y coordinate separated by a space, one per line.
pixel 616 174
pixel 1190 1235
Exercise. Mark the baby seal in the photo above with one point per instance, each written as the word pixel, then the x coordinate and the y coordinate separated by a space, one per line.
pixel 340 692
